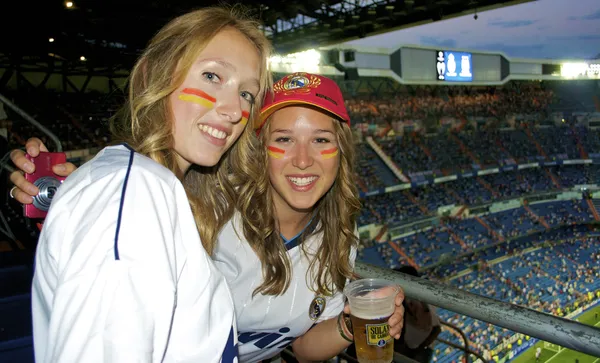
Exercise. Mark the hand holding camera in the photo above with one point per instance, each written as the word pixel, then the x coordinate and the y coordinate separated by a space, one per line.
pixel 43 171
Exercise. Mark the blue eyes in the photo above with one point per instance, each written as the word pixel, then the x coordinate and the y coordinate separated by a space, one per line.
pixel 214 78
pixel 248 97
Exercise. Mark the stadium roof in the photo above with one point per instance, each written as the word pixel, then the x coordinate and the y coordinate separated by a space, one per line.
pixel 111 33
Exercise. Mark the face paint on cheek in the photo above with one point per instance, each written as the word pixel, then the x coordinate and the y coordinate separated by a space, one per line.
pixel 275 152
pixel 329 153
pixel 245 117
pixel 198 97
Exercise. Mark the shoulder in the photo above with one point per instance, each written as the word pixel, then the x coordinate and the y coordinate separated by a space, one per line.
pixel 118 197
pixel 112 168
pixel 118 159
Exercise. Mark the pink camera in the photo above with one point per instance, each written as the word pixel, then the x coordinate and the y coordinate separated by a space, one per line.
pixel 44 178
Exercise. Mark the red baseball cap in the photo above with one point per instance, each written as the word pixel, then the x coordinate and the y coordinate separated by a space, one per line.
pixel 304 89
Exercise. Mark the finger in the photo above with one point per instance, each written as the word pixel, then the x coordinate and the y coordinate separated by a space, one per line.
pixel 347 309
pixel 23 186
pixel 64 169
pixel 34 146
pixel 396 317
pixel 399 297
pixel 22 197
pixel 396 322
pixel 20 161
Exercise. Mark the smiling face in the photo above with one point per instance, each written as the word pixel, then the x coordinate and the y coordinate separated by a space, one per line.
pixel 303 157
pixel 212 106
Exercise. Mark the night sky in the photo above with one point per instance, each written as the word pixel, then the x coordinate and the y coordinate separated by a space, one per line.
pixel 556 29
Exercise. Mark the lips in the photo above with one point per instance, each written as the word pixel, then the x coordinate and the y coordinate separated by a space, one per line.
pixel 214 134
pixel 302 183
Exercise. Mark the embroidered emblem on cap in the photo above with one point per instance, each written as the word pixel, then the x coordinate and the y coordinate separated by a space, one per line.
pixel 317 306
pixel 297 83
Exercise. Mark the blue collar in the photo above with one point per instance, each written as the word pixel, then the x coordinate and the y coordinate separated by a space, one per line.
pixel 297 239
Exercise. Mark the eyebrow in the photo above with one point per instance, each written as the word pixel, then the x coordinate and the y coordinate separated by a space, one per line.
pixel 282 131
pixel 320 131
pixel 288 131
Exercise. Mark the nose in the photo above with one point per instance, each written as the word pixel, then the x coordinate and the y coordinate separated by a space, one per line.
pixel 229 106
pixel 302 158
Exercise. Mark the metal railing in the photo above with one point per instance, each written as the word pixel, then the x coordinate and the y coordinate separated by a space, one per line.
pixel 563 332
pixel 32 121
pixel 466 350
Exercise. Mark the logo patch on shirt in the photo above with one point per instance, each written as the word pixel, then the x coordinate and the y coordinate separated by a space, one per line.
pixel 317 306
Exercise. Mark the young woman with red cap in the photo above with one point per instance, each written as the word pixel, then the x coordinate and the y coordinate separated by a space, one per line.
pixel 290 248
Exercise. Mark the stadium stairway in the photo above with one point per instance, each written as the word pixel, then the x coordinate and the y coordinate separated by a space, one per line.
pixel 487 186
pixel 503 149
pixel 381 233
pixel 418 142
pixel 462 243
pixel 535 217
pixel 582 152
pixel 594 204
pixel 387 160
pixel 465 150
pixel 554 179
pixel 537 144
pixel 16 272
pixel 596 102
pixel 490 229
pixel 454 194
pixel 414 200
pixel 401 252
pixel 361 184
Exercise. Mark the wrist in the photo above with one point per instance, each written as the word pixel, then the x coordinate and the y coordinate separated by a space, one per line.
pixel 345 327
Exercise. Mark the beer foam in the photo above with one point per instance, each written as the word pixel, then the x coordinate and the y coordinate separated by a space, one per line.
pixel 380 293
pixel 370 314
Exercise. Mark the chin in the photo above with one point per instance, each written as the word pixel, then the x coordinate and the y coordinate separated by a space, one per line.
pixel 302 204
pixel 207 160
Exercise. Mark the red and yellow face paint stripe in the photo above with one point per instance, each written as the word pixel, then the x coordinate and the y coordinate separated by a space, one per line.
pixel 275 152
pixel 245 117
pixel 329 153
pixel 197 96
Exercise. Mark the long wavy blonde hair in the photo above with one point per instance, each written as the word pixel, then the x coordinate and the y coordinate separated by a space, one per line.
pixel 145 120
pixel 335 215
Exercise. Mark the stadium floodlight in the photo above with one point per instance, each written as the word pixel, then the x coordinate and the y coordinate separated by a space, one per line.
pixel 575 70
pixel 306 61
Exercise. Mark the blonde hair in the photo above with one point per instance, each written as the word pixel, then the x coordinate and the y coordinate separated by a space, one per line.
pixel 145 120
pixel 335 215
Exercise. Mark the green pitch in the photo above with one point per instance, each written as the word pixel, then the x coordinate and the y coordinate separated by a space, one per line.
pixel 551 353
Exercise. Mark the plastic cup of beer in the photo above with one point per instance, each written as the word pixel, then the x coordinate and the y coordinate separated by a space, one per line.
pixel 372 302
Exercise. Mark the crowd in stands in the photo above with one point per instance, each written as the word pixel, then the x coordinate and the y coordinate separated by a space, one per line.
pixel 432 102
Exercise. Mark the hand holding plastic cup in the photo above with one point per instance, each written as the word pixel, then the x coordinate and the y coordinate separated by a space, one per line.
pixel 371 305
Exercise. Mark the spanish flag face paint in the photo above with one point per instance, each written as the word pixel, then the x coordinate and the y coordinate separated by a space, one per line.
pixel 198 97
pixel 329 153
pixel 245 117
pixel 275 152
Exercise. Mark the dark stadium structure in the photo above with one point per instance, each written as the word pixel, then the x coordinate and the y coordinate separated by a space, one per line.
pixel 503 201
pixel 110 34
